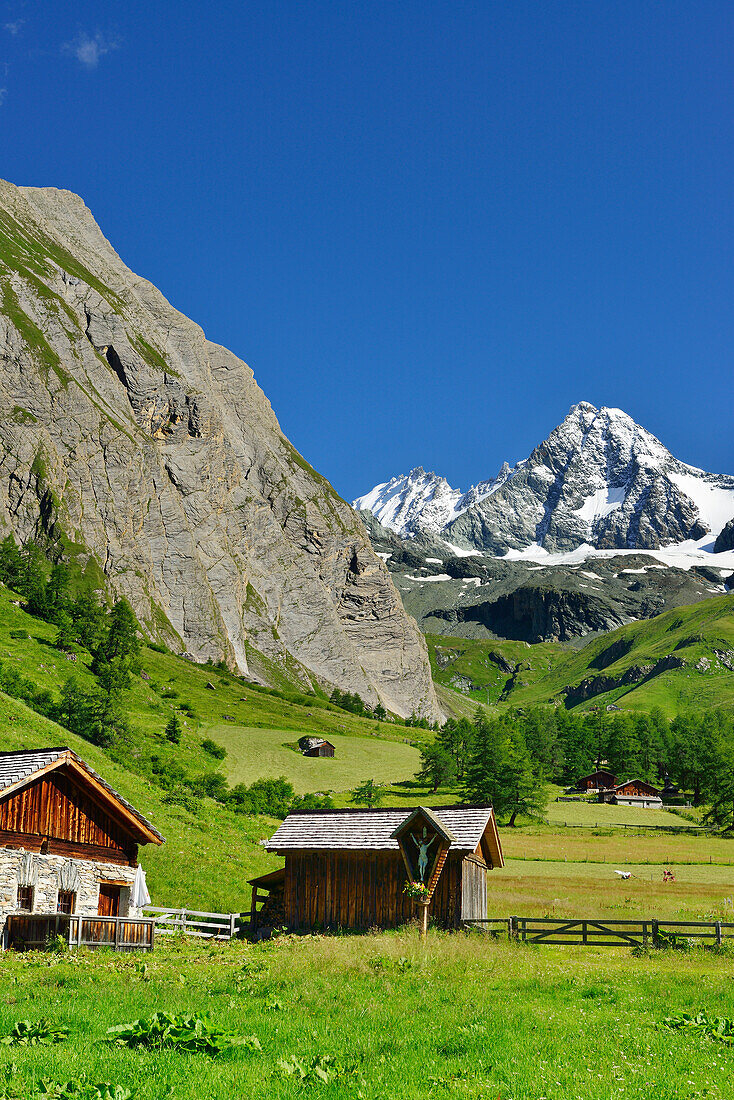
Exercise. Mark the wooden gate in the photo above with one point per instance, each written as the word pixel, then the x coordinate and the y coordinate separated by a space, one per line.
pixel 594 933
pixel 600 932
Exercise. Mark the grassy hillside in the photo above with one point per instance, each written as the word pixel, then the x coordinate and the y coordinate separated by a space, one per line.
pixel 687 636
pixel 258 728
pixel 209 852
pixel 483 672
pixel 672 661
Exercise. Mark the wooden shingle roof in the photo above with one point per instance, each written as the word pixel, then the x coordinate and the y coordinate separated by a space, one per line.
pixel 637 783
pixel 372 830
pixel 17 769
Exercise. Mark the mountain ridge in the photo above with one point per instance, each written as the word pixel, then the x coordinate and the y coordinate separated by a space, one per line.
pixel 599 479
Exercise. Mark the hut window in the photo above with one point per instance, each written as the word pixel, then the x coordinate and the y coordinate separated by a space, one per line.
pixel 25 898
pixel 66 902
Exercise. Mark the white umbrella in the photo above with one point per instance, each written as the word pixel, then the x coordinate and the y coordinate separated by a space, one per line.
pixel 140 895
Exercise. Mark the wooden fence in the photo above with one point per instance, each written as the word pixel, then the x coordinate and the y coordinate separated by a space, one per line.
pixel 604 933
pixel 192 922
pixel 28 931
pixel 641 827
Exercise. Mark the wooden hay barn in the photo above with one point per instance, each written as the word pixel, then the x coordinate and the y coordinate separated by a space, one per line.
pixel 634 792
pixel 316 746
pixel 69 855
pixel 347 868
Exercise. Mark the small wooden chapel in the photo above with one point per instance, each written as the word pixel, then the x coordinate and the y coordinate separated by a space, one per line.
pixel 349 868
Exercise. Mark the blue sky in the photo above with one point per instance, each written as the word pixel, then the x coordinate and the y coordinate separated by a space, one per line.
pixel 429 227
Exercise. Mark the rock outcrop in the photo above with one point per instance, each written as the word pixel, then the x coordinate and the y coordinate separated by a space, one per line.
pixel 151 455
pixel 725 538
pixel 534 613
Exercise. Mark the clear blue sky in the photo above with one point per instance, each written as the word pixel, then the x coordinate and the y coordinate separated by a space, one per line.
pixel 429 227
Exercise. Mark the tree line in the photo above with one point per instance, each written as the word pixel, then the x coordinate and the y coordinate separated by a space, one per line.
pixel 509 759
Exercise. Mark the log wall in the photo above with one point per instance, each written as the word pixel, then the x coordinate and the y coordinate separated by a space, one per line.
pixel 362 890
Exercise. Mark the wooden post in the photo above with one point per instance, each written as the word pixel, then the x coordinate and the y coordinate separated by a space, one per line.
pixel 514 925
pixel 655 931
pixel 718 933
pixel 232 925
pixel 424 919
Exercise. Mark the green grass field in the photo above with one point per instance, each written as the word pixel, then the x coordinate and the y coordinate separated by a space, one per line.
pixel 463 1016
pixel 546 888
pixel 253 752
pixel 600 814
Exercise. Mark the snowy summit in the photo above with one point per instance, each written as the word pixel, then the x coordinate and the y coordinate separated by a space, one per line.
pixel 598 480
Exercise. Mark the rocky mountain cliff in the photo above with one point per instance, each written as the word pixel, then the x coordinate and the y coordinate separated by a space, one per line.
pixel 552 549
pixel 598 480
pixel 569 597
pixel 133 444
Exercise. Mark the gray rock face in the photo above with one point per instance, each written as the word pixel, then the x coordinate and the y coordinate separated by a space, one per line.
pixel 154 454
pixel 725 538
pixel 535 613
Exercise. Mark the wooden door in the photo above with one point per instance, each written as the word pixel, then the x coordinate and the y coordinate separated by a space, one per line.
pixel 109 900
pixel 473 890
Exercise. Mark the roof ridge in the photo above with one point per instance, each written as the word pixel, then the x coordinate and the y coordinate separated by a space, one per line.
pixel 54 753
pixel 390 809
pixel 35 752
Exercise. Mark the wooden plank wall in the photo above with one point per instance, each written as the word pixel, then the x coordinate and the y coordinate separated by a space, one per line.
pixel 362 890
pixel 55 806
pixel 473 890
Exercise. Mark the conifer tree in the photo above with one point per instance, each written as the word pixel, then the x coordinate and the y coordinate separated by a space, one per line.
pixel 173 729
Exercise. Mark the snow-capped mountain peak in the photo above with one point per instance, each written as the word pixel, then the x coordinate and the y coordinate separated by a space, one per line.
pixel 599 479
pixel 423 502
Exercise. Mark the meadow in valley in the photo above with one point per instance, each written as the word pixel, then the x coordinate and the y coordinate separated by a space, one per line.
pixel 377 1016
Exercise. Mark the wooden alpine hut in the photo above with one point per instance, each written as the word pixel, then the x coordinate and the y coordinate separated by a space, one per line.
pixel 634 792
pixel 316 746
pixel 349 868
pixel 69 855
pixel 598 781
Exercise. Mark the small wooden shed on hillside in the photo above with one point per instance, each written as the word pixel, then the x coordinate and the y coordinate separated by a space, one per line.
pixel 68 854
pixel 316 746
pixel 346 869
pixel 634 792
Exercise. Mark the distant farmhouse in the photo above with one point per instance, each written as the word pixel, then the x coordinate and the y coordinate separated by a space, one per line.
pixel 315 746
pixel 69 853
pixel 598 781
pixel 349 868
pixel 634 792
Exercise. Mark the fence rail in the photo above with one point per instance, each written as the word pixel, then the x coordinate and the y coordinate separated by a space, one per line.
pixel 600 932
pixel 194 922
pixel 641 827
pixel 34 930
